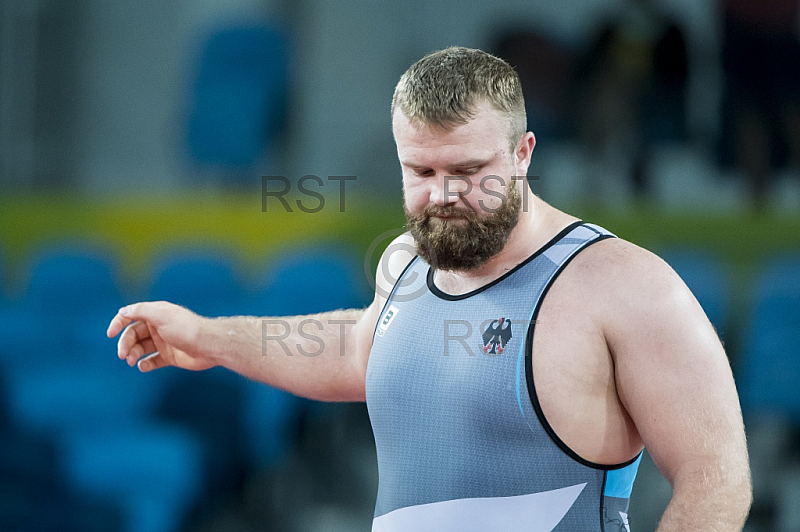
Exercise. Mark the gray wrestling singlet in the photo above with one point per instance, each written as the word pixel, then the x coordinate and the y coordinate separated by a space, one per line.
pixel 462 442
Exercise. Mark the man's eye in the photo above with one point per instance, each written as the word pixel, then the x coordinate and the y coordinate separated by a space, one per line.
pixel 466 171
pixel 423 173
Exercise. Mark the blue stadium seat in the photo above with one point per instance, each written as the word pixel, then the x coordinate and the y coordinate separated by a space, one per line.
pixel 69 298
pixel 54 399
pixel 270 421
pixel 210 404
pixel 239 96
pixel 153 471
pixel 73 279
pixel 27 339
pixel 46 405
pixel 33 497
pixel 204 280
pixel 314 279
pixel 709 281
pixel 770 370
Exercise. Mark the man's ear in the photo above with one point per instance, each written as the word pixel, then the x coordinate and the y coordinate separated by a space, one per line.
pixel 524 149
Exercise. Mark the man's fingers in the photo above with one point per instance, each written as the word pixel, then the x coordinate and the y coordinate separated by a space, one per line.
pixel 140 343
pixel 133 334
pixel 118 323
pixel 142 349
pixel 151 362
pixel 151 311
pixel 147 312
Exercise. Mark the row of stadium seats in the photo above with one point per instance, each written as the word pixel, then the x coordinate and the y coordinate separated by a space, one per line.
pixel 140 451
pixel 72 293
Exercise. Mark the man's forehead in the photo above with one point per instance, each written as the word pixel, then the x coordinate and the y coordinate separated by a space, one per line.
pixel 478 140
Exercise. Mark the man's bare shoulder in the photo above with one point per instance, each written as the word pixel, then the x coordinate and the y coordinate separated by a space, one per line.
pixel 632 293
pixel 619 275
pixel 395 259
pixel 617 262
pixel 400 252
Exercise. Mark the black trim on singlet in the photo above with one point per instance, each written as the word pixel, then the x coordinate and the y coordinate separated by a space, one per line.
pixel 391 294
pixel 529 373
pixel 450 297
pixel 590 228
pixel 603 502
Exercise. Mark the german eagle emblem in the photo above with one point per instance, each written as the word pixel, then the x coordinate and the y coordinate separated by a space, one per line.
pixel 496 336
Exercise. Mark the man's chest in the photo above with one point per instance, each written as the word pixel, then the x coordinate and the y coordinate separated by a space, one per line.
pixel 485 347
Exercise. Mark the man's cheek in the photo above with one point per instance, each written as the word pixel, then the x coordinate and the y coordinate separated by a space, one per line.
pixel 417 204
pixel 489 205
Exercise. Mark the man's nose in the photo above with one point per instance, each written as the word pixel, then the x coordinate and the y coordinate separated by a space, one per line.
pixel 445 190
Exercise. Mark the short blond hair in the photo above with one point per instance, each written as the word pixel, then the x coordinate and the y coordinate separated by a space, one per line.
pixel 445 88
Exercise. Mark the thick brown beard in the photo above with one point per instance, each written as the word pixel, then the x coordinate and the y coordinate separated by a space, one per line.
pixel 464 244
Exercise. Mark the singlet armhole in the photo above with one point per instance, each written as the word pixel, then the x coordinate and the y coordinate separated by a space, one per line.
pixel 529 374
pixel 391 294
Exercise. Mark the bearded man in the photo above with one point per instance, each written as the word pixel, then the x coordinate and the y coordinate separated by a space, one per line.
pixel 515 360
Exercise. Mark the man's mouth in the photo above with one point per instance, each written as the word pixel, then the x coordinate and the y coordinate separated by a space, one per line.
pixel 453 215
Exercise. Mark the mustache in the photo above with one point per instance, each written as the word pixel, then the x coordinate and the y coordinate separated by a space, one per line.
pixel 449 211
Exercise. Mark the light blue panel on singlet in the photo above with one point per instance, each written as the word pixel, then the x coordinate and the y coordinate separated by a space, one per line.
pixel 460 442
pixel 619 482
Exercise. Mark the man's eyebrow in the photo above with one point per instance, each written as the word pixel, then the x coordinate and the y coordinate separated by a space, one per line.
pixel 460 164
pixel 470 162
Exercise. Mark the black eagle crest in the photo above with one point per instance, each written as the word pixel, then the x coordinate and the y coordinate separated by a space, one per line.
pixel 496 336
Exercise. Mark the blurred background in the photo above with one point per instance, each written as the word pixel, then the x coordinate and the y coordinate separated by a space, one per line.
pixel 236 157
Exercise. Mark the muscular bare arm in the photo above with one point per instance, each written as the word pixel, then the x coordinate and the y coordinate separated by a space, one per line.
pixel 322 356
pixel 674 379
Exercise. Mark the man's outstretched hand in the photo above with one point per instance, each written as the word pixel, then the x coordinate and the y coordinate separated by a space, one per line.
pixel 158 334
